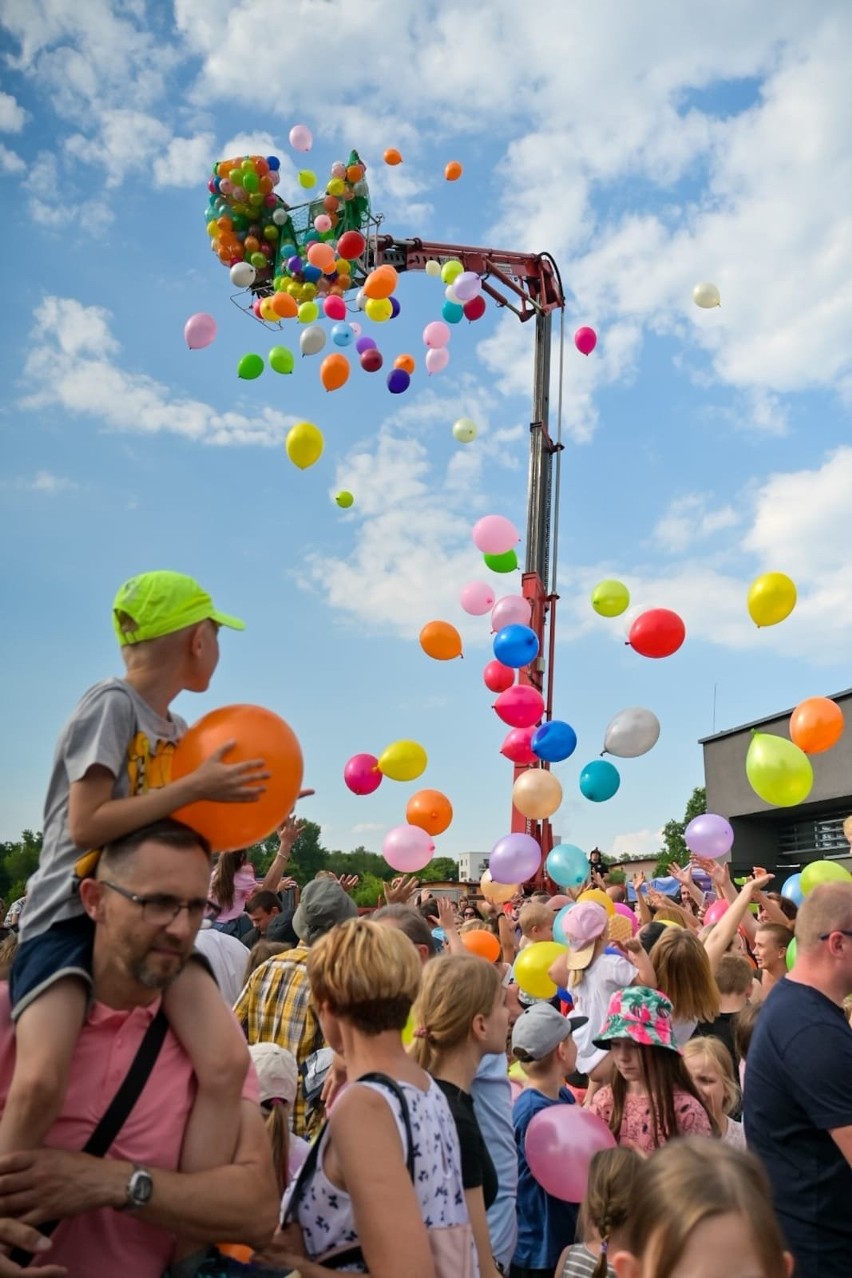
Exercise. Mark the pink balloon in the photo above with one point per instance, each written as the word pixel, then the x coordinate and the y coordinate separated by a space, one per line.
pixel 515 1088
pixel 511 610
pixel 560 1144
pixel 497 677
pixel 494 535
pixel 407 848
pixel 322 222
pixel 362 774
pixel 199 331
pixel 477 598
pixel 626 912
pixel 437 360
pixel 714 912
pixel 559 900
pixel 301 138
pixel 516 746
pixel 520 706
pixel 334 308
pixel 436 334
pixel 585 339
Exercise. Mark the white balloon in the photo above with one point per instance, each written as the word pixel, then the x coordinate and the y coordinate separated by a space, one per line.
pixel 451 295
pixel 432 268
pixel 706 296
pixel 631 733
pixel 361 299
pixel 464 430
pixel 312 340
pixel 279 217
pixel 242 274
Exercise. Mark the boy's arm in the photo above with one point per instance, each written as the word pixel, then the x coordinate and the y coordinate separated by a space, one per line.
pixel 635 953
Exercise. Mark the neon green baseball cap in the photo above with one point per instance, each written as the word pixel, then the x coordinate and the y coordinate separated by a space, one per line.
pixel 162 602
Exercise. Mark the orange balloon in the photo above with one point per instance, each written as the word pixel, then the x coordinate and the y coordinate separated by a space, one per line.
pixel 406 362
pixel 453 171
pixel 257 734
pixel 284 305
pixel 497 893
pixel 334 372
pixel 392 156
pixel 354 173
pixel 481 943
pixel 440 640
pixel 322 256
pixel 431 810
pixel 381 282
pixel 816 725
pixel 237 1251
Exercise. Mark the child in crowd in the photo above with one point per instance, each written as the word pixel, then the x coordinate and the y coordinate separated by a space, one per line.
pixel 651 1098
pixel 734 982
pixel 536 923
pixel 111 776
pixel 278 1083
pixel 542 1042
pixel 711 1068
pixel 744 1024
pixel 701 1209
pixel 612 1178
pixel 682 969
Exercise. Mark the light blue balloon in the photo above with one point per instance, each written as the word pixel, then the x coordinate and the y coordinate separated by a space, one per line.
pixel 599 780
pixel 342 335
pixel 452 312
pixel 567 865
pixel 791 889
pixel 558 934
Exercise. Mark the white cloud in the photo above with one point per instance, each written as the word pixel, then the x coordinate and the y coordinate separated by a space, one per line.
pixel 74 363
pixel 13 117
pixel 688 520
pixel 185 160
pixel 639 843
pixel 126 140
pixel 43 482
pixel 10 161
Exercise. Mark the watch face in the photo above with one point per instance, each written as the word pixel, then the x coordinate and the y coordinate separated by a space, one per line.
pixel 140 1187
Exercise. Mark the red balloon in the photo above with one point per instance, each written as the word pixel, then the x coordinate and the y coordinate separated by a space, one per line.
pixel 371 360
pixel 657 633
pixel 351 245
pixel 516 746
pixel 497 677
pixel 474 309
pixel 520 706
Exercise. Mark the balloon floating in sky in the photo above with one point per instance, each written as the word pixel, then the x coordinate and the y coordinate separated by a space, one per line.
pixel 778 771
pixel 554 741
pixel 511 610
pixel 514 858
pixel 250 367
pixel 706 296
pixel 243 275
pixel 497 677
pixel 657 633
pixel 344 499
pixel 304 444
pixel 497 893
pixel 441 641
pixel 599 780
pixel 392 157
pixel 631 733
pixel 464 430
pixel 537 794
pixel 520 706
pixel 816 725
pixel 403 761
pixel 430 810
pixel 506 562
pixel 281 360
pixel 518 748
pixel 477 598
pixel 301 138
pixel 771 598
pixel 361 774
pixel 199 331
pixel 610 598
pixel 709 835
pixel 407 848
pixel 453 171
pixel 494 535
pixel 516 646
pixel 585 339
pixel 334 372
pixel 567 865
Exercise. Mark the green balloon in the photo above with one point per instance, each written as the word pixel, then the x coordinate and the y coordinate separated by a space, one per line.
pixel 610 598
pixel 823 872
pixel 281 360
pixel 791 954
pixel 778 771
pixel 507 562
pixel 344 499
pixel 250 367
pixel 250 182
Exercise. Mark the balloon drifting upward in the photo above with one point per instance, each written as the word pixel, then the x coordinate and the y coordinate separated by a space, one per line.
pixel 307 179
pixel 585 339
pixel 536 794
pixel 398 381
pixel 433 269
pixel 281 360
pixel 496 893
pixel 511 610
pixel 405 362
pixel 778 771
pixel 497 677
pixel 476 598
pixel 494 535
pixel 517 746
pixel 361 774
pixel 441 641
pixel 507 562
pixel 437 360
pixel 822 872
pixel 464 431
pixel 659 632
pixel 243 275
pixel 403 761
pixel 334 372
pixel 520 706
pixel 436 335
pixel 430 810
pixel 771 598
pixel 599 780
pixel 475 309
pixel 567 865
pixel 466 286
pixel 514 858
pixel 392 156
pixel 709 835
pixel 301 138
pixel 816 725
pixel 304 445
pixel 516 646
pixel 344 499
pixel 258 734
pixel 631 733
pixel 706 296
pixel 453 171
pixel 531 968
pixel 381 283
pixel 199 331
pixel 312 340
pixel 451 270
pixel 610 598
pixel 371 360
pixel 351 245
pixel 554 741
pixel 250 367
pixel 407 848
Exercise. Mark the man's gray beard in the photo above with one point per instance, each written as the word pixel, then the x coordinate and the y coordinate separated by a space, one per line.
pixel 151 980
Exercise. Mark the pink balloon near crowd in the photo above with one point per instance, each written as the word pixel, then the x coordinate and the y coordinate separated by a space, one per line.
pixel 514 858
pixel 407 848
pixel 560 1144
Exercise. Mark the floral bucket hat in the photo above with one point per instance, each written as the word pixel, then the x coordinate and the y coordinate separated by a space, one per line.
pixel 641 1014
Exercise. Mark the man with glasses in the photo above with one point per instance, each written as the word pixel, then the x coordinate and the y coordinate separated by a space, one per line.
pixel 119 1213
pixel 798 1091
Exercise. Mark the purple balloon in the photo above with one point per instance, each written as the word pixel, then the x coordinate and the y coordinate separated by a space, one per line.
pixel 709 835
pixel 514 858
pixel 395 308
pixel 398 381
pixel 294 265
pixel 365 344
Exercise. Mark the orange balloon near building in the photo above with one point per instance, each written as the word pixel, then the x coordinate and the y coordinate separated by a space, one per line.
pixel 381 283
pixel 257 734
pixel 392 156
pixel 481 943
pixel 816 725
pixel 441 641
pixel 431 810
pixel 334 372
pixel 453 171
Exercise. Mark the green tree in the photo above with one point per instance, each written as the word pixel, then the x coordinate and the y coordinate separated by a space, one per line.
pixel 442 867
pixel 675 850
pixel 17 862
pixel 368 890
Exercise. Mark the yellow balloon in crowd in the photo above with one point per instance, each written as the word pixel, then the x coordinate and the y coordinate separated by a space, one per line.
pixel 778 771
pixel 531 968
pixel 598 897
pixel 771 598
pixel 610 598
pixel 403 761
pixel 304 444
pixel 536 794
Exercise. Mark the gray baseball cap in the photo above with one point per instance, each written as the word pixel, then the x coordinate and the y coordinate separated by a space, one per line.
pixel 540 1030
pixel 324 904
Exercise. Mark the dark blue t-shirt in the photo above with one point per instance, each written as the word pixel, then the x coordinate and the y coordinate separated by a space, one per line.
pixel 545 1224
pixel 798 1086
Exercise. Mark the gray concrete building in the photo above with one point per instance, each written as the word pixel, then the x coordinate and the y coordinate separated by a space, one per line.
pixel 782 840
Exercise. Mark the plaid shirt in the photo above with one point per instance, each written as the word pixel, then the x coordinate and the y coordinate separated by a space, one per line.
pixel 275 1007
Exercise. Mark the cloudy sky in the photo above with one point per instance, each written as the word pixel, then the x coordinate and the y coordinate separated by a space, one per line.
pixel 647 147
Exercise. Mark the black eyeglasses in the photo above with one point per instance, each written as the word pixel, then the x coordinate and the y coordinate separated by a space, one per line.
pixel 162 910
pixel 841 930
pixel 469 914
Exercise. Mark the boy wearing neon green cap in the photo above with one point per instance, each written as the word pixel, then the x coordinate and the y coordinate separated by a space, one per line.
pixel 111 776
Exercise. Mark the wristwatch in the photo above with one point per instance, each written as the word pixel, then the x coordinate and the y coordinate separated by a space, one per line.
pixel 140 1187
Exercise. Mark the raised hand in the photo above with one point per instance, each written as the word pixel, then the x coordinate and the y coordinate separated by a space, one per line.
pixel 229 782
pixel 400 890
pixel 349 882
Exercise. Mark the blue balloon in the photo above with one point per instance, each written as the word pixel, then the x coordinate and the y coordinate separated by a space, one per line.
pixel 791 889
pixel 452 312
pixel 558 934
pixel 273 162
pixel 310 274
pixel 395 308
pixel 565 995
pixel 342 335
pixel 554 741
pixel 398 381
pixel 567 865
pixel 516 646
pixel 599 780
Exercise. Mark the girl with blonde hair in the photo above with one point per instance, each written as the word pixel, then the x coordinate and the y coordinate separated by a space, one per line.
pixel 711 1068
pixel 603 1216
pixel 682 970
pixel 461 1016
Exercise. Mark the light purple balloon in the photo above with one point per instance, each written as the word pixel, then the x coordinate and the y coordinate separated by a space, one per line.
pixel 407 848
pixel 467 286
pixel 709 835
pixel 511 610
pixel 199 331
pixel 365 344
pixel 514 858
pixel 436 334
pixel 477 598
pixel 437 360
pixel 494 535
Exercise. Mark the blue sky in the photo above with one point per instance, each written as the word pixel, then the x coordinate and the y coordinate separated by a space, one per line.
pixel 647 149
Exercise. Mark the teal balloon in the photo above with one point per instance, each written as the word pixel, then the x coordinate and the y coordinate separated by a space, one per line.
pixel 599 780
pixel 452 312
pixel 281 359
pixel 567 865
pixel 507 562
pixel 250 367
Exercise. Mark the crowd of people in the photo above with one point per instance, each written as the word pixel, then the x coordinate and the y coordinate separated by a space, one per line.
pixel 203 1073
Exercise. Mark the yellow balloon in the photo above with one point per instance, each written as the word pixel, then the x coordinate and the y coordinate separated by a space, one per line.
pixel 267 310
pixel 771 598
pixel 408 1029
pixel 516 1073
pixel 304 445
pixel 610 598
pixel 403 761
pixel 599 897
pixel 497 893
pixel 536 794
pixel 778 770
pixel 308 312
pixel 531 968
pixel 307 178
pixel 378 309
pixel 451 270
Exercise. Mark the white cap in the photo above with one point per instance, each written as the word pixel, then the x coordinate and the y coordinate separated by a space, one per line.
pixel 277 1072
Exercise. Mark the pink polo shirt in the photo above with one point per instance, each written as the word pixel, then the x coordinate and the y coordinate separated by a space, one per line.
pixel 107 1241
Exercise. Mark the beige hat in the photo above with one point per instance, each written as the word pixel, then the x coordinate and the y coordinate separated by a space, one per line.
pixel 277 1072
